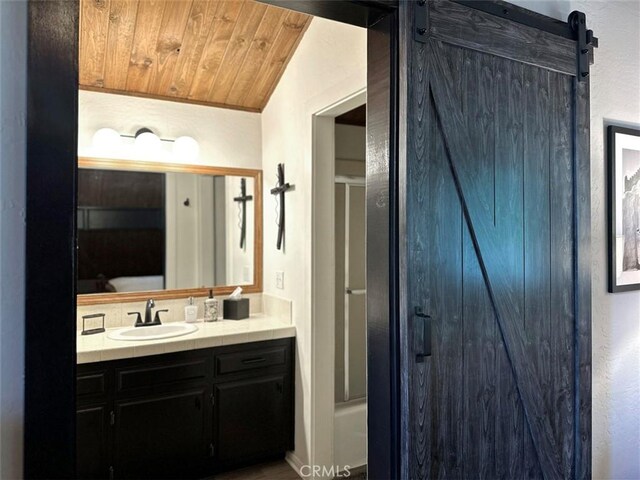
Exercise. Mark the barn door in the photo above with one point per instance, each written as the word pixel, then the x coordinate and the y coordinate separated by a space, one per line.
pixel 496 318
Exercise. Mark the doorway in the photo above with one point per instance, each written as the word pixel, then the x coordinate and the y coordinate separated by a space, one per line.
pixel 51 179
pixel 350 445
pixel 332 355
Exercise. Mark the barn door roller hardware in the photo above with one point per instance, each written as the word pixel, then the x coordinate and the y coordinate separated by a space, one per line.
pixel 421 31
pixel 586 42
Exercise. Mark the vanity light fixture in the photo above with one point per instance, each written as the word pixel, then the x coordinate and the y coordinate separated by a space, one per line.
pixel 145 141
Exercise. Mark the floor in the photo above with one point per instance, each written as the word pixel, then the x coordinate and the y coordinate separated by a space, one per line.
pixel 278 470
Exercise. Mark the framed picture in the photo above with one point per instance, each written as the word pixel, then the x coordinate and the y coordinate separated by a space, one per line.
pixel 624 208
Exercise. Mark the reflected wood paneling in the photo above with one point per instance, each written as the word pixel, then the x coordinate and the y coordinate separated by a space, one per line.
pixel 226 53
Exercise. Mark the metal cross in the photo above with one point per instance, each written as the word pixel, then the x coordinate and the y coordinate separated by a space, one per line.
pixel 280 190
pixel 242 201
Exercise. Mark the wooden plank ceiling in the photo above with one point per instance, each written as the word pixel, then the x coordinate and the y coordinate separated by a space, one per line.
pixel 228 53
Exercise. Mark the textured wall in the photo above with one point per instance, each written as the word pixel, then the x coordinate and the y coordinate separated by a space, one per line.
pixel 13 104
pixel 328 65
pixel 615 97
pixel 227 138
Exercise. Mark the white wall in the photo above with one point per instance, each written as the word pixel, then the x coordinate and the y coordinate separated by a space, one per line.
pixel 615 97
pixel 188 260
pixel 13 26
pixel 328 65
pixel 227 138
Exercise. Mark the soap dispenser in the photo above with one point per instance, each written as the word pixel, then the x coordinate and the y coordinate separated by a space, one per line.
pixel 191 312
pixel 211 308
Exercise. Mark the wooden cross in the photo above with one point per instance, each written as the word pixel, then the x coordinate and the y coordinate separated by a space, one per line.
pixel 280 189
pixel 242 201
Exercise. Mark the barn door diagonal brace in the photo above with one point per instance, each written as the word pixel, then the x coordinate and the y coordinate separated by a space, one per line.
pixel 585 43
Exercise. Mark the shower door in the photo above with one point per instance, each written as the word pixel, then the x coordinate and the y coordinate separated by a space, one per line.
pixel 351 354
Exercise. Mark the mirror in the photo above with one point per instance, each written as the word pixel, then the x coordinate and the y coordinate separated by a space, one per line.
pixel 166 230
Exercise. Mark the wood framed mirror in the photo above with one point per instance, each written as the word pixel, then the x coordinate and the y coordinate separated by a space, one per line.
pixel 165 230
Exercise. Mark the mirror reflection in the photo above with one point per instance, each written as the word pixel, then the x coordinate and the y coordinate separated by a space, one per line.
pixel 147 230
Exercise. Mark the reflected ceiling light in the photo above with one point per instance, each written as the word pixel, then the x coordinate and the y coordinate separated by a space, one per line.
pixel 146 140
pixel 106 138
pixel 186 148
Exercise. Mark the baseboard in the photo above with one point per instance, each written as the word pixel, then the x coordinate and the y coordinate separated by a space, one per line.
pixel 360 470
pixel 295 462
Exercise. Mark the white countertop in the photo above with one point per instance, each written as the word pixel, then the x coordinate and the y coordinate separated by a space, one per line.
pixel 259 327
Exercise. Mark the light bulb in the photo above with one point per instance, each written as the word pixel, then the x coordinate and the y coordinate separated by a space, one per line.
pixel 147 142
pixel 186 149
pixel 106 139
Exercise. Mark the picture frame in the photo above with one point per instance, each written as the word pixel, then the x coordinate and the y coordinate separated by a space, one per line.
pixel 623 165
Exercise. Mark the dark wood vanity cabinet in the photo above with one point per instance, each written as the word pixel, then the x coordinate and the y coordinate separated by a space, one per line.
pixel 92 427
pixel 186 414
pixel 93 421
pixel 252 419
pixel 161 436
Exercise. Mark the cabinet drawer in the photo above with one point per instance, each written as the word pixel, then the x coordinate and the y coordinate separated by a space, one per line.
pixel 157 375
pixel 91 384
pixel 248 360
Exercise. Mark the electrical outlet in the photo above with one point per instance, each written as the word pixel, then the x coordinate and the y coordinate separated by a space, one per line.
pixel 280 280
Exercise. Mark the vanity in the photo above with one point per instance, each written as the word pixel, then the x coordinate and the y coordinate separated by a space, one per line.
pixel 217 395
pixel 186 414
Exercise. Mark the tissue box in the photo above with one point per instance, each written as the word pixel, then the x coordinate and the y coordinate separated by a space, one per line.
pixel 235 309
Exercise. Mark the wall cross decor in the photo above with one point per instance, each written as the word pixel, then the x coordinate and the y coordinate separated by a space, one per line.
pixel 242 203
pixel 280 189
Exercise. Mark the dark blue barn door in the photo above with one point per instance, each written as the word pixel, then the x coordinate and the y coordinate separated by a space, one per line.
pixel 495 289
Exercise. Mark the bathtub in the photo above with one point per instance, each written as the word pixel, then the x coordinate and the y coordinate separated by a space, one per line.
pixel 350 433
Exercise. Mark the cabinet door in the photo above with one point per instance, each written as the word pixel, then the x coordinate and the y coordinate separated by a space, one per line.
pixel 92 433
pixel 162 436
pixel 252 419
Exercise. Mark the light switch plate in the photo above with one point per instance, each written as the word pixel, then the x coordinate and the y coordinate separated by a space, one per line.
pixel 280 280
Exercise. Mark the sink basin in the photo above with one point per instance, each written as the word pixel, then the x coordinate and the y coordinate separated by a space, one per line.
pixel 155 332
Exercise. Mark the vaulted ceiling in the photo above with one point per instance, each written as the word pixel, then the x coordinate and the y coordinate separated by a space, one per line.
pixel 228 53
